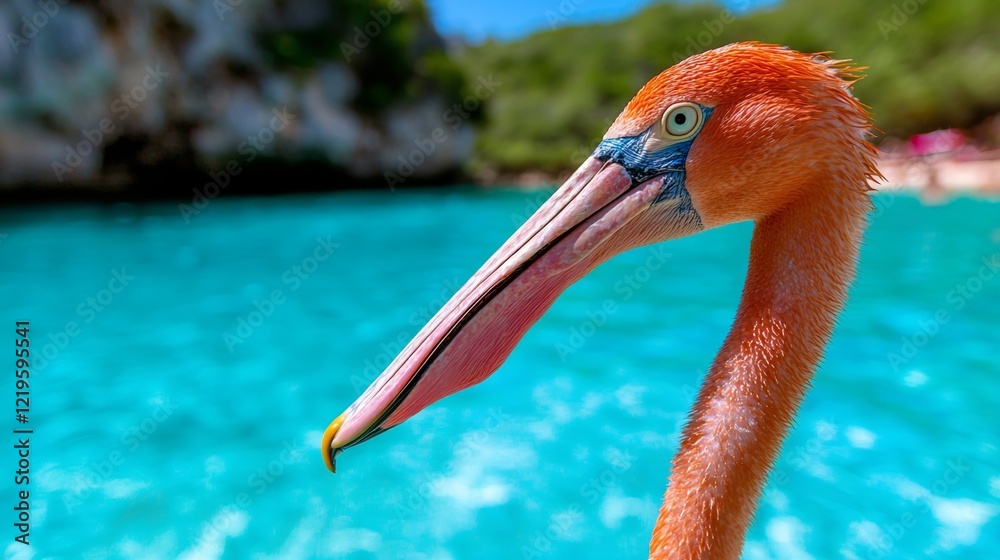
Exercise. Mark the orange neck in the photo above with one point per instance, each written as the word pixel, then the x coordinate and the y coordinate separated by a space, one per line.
pixel 802 261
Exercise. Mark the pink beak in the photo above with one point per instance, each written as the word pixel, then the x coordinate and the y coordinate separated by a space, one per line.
pixel 471 336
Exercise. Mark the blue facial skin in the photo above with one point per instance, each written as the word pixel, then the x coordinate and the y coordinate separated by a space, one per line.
pixel 641 166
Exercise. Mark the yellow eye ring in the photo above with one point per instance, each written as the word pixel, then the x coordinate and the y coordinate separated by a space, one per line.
pixel 681 120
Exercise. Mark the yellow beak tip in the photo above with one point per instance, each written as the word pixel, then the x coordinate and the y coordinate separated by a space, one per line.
pixel 329 453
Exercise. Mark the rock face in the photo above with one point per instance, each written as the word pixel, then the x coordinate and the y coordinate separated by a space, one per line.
pixel 113 95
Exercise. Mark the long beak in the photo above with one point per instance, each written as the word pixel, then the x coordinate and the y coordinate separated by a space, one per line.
pixel 585 222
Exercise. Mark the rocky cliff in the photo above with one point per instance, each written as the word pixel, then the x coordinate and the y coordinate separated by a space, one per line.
pixel 156 96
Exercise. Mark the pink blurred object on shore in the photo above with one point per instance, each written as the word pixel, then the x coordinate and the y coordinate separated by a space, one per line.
pixel 939 141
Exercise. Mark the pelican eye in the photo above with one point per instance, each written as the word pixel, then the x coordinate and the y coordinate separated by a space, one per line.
pixel 680 121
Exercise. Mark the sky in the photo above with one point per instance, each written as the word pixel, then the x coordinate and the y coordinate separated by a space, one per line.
pixel 479 20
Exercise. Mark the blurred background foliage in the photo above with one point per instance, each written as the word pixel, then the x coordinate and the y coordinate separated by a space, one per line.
pixel 402 61
pixel 930 65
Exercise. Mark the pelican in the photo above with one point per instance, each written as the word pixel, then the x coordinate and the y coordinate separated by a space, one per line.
pixel 748 131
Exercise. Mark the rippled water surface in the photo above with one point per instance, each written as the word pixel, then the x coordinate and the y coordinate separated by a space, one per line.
pixel 177 404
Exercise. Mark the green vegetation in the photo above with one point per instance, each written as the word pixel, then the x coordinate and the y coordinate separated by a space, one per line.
pixel 390 45
pixel 931 65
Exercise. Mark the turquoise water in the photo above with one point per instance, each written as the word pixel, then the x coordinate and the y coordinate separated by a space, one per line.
pixel 181 415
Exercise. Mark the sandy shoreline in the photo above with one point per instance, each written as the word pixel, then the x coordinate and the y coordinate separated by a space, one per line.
pixel 941 173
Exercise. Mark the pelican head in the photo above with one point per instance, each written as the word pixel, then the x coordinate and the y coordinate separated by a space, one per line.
pixel 733 134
